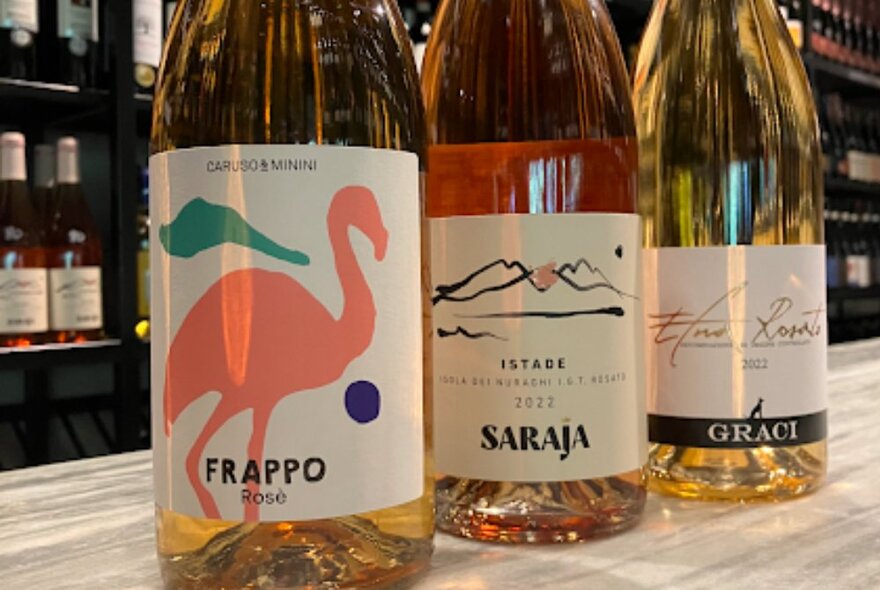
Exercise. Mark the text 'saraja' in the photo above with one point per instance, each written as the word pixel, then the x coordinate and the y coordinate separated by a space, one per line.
pixel 736 346
pixel 559 439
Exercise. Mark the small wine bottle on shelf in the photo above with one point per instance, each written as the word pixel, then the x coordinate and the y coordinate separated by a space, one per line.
pixel 77 42
pixel 147 51
pixel 19 31
pixel 142 328
pixel 732 197
pixel 535 272
pixel 23 310
pixel 74 246
pixel 44 182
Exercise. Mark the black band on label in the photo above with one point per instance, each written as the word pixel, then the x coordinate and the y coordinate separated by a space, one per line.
pixel 738 434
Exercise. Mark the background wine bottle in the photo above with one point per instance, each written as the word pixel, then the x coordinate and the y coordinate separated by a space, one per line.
pixel 530 122
pixel 148 26
pixel 44 181
pixel 730 161
pixel 23 313
pixel 289 76
pixel 142 328
pixel 77 42
pixel 74 245
pixel 19 28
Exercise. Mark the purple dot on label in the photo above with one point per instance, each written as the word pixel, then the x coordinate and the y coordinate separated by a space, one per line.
pixel 362 401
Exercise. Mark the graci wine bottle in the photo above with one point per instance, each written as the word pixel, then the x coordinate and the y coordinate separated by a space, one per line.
pixel 288 427
pixel 732 199
pixel 539 421
pixel 23 311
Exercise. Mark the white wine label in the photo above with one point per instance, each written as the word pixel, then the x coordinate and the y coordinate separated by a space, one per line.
pixel 20 13
pixel 286 331
pixel 147 20
pixel 23 303
pixel 736 341
pixel 78 19
pixel 75 298
pixel 537 346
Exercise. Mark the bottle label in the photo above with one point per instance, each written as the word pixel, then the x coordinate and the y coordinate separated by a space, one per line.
pixel 78 19
pixel 75 298
pixel 736 341
pixel 20 14
pixel 537 346
pixel 147 19
pixel 23 304
pixel 286 331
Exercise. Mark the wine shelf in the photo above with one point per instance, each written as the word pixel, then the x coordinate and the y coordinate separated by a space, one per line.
pixel 851 293
pixel 52 355
pixel 841 187
pixel 841 72
pixel 54 104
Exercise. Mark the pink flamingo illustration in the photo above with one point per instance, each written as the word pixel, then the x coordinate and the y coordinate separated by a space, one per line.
pixel 258 336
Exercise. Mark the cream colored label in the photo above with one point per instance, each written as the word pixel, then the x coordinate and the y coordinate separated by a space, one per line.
pixel 75 298
pixel 147 20
pixel 286 331
pixel 537 346
pixel 736 333
pixel 23 303
pixel 19 13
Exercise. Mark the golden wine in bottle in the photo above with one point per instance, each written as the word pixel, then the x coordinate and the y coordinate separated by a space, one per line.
pixel 540 431
pixel 288 433
pixel 732 201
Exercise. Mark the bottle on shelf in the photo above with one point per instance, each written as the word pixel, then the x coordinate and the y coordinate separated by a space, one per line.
pixel 142 329
pixel 19 31
pixel 420 30
pixel 792 12
pixel 44 181
pixel 285 217
pixel 732 207
pixel 74 261
pixel 147 52
pixel 77 36
pixel 23 310
pixel 170 7
pixel 517 155
pixel 834 261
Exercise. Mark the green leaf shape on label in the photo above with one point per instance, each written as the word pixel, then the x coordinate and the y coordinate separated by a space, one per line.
pixel 201 225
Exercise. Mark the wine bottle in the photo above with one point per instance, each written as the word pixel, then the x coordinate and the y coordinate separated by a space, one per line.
pixel 532 171
pixel 19 28
pixel 44 181
pixel 420 30
pixel 74 246
pixel 142 328
pixel 23 311
pixel 147 52
pixel 732 197
pixel 77 42
pixel 170 7
pixel 286 325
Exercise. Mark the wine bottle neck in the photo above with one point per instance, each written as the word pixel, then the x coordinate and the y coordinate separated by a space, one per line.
pixel 44 166
pixel 12 159
pixel 68 162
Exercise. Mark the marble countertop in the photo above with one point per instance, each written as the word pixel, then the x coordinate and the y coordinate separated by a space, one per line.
pixel 89 525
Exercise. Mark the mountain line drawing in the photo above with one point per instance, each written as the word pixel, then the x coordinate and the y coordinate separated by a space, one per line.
pixel 459 331
pixel 541 279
